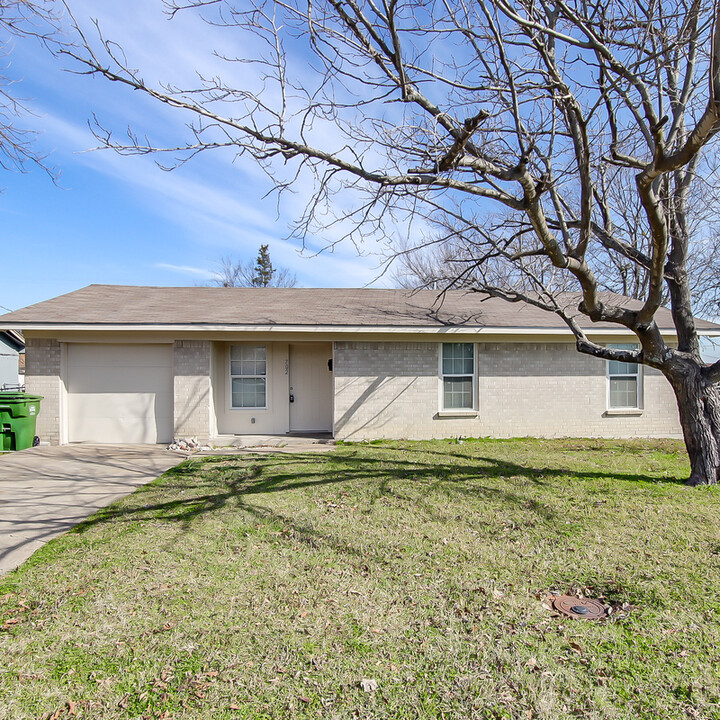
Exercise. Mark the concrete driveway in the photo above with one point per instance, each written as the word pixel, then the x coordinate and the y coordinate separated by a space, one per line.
pixel 45 491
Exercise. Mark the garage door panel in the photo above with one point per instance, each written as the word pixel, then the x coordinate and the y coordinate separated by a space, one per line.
pixel 89 427
pixel 137 379
pixel 120 393
pixel 91 355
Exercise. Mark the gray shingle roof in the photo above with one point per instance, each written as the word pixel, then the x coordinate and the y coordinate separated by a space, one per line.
pixel 328 307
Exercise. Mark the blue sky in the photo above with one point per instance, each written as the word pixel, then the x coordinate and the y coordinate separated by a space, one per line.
pixel 123 220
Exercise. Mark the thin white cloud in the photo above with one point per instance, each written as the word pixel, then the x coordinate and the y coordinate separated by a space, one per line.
pixel 186 270
pixel 214 211
pixel 215 199
pixel 217 204
pixel 219 197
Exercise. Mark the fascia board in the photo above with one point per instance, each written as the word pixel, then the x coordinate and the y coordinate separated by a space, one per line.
pixel 330 329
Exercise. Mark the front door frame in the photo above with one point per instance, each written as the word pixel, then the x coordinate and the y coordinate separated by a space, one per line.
pixel 293 424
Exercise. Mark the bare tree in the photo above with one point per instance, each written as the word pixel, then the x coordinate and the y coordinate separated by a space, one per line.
pixel 257 273
pixel 509 124
pixel 22 18
pixel 450 260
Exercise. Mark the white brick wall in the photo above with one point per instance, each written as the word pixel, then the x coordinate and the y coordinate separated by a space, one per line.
pixel 42 377
pixel 192 388
pixel 391 390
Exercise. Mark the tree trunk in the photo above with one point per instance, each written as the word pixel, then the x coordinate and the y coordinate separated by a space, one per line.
pixel 699 406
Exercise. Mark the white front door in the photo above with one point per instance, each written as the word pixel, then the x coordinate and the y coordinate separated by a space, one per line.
pixel 310 388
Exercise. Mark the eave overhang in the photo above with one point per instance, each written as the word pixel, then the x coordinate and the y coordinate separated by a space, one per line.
pixel 329 329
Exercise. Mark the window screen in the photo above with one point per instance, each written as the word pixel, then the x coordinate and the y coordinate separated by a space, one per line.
pixel 624 380
pixel 458 375
pixel 248 376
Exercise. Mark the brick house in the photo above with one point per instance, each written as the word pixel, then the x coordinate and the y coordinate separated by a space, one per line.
pixel 122 364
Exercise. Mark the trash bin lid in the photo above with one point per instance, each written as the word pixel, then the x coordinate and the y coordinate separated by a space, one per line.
pixel 16 397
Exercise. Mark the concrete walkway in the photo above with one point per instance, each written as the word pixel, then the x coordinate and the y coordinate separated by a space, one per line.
pixel 289 444
pixel 45 491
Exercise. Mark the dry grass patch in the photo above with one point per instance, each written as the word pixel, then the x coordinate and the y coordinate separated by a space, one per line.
pixel 273 586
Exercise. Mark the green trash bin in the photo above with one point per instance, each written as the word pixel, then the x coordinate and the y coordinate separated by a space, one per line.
pixel 18 412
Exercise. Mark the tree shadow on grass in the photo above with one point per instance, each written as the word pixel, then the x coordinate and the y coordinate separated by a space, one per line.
pixel 215 483
pixel 452 467
pixel 231 481
pixel 496 468
pixel 240 484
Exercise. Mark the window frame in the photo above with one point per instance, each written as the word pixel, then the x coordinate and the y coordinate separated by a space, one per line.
pixel 638 376
pixel 265 377
pixel 473 409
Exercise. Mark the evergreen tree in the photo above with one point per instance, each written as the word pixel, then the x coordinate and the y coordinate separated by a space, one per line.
pixel 264 271
pixel 235 273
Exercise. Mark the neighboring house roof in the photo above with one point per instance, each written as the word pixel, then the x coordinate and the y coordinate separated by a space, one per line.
pixel 134 307
pixel 13 339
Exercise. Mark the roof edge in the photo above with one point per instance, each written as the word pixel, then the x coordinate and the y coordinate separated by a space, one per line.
pixel 377 329
pixel 14 337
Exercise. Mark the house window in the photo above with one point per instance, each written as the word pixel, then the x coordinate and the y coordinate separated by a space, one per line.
pixel 624 381
pixel 458 376
pixel 248 376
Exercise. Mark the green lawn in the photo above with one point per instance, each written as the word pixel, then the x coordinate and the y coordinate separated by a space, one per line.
pixel 273 586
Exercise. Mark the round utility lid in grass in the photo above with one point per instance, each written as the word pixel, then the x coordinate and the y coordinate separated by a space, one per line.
pixel 579 608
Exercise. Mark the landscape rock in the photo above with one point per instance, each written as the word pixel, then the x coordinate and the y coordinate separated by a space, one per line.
pixel 184 444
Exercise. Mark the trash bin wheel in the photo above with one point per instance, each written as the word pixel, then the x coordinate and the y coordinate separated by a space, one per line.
pixel 36 441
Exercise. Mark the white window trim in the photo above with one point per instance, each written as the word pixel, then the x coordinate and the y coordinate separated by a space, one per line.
pixel 457 412
pixel 630 410
pixel 230 377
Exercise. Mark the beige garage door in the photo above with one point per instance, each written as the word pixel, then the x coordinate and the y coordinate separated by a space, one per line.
pixel 120 393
